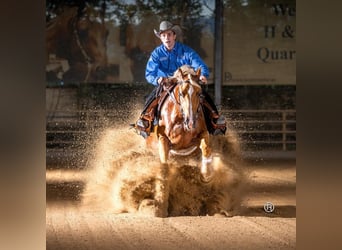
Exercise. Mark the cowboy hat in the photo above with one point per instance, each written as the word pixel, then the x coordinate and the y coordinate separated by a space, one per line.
pixel 166 25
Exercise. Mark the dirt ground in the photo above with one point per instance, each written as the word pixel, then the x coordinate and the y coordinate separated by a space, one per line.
pixel 72 225
pixel 70 228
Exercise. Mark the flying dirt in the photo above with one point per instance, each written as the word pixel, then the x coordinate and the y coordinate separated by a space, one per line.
pixel 124 174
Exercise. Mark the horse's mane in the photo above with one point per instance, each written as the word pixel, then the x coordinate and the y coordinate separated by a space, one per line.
pixel 187 69
pixel 183 72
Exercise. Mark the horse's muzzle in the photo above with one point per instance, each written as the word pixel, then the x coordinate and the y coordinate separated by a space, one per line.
pixel 189 123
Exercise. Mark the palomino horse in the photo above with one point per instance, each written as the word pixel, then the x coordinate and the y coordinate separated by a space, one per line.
pixel 182 128
pixel 81 41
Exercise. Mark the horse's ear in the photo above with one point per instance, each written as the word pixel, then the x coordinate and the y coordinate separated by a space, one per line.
pixel 198 72
pixel 173 80
pixel 179 73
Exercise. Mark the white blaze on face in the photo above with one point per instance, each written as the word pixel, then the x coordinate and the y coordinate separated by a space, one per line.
pixel 186 103
pixel 190 101
pixel 191 113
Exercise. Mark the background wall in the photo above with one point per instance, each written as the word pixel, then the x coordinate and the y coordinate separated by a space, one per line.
pixel 259 39
pixel 260 43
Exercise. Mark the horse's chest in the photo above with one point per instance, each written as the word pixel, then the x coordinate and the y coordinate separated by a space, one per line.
pixel 176 129
pixel 180 136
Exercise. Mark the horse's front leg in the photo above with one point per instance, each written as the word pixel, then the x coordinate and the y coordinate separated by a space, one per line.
pixel 164 148
pixel 207 158
pixel 162 185
pixel 161 195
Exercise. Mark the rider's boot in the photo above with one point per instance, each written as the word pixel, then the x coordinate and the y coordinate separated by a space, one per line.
pixel 144 125
pixel 219 124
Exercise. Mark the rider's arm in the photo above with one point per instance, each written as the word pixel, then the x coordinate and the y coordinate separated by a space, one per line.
pixel 152 72
pixel 197 62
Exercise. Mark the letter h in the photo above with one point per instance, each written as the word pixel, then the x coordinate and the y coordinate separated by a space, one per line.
pixel 269 29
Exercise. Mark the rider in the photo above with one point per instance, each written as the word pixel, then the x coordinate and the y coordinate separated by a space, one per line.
pixel 163 62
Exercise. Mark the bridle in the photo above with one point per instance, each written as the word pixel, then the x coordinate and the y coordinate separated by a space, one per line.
pixel 199 108
pixel 84 53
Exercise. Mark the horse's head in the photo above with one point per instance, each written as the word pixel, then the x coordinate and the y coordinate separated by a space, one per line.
pixel 81 40
pixel 189 96
pixel 93 34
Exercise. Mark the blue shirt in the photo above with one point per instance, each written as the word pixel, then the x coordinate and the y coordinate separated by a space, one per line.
pixel 163 63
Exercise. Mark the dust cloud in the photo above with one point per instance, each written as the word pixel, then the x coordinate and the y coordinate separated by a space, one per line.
pixel 124 171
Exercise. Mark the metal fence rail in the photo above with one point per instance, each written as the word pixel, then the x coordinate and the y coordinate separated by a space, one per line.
pixel 264 129
pixel 258 130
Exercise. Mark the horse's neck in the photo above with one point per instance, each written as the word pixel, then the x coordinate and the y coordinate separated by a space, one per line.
pixel 175 98
pixel 172 106
pixel 61 27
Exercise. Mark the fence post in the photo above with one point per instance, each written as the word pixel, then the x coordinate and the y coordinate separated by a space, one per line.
pixel 284 129
pixel 218 51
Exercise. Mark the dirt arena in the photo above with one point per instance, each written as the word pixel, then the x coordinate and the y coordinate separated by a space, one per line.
pixel 100 207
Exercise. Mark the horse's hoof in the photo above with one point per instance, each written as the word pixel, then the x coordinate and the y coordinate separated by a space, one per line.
pixel 206 179
pixel 150 208
pixel 223 213
pixel 147 207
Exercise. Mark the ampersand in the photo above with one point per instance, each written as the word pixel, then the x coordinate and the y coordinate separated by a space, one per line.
pixel 288 32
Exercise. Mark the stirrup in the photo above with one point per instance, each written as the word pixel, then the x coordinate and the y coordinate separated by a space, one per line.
pixel 142 127
pixel 221 121
pixel 220 126
pixel 142 123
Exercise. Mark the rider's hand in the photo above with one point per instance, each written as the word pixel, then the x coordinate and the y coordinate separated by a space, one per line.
pixel 203 79
pixel 161 80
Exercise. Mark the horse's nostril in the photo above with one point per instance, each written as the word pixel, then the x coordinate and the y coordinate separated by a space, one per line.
pixel 193 124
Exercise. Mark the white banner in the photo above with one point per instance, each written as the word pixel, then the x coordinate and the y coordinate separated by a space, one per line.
pixel 260 43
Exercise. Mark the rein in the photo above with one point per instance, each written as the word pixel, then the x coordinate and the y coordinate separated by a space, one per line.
pixel 84 53
pixel 172 94
pixel 170 91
